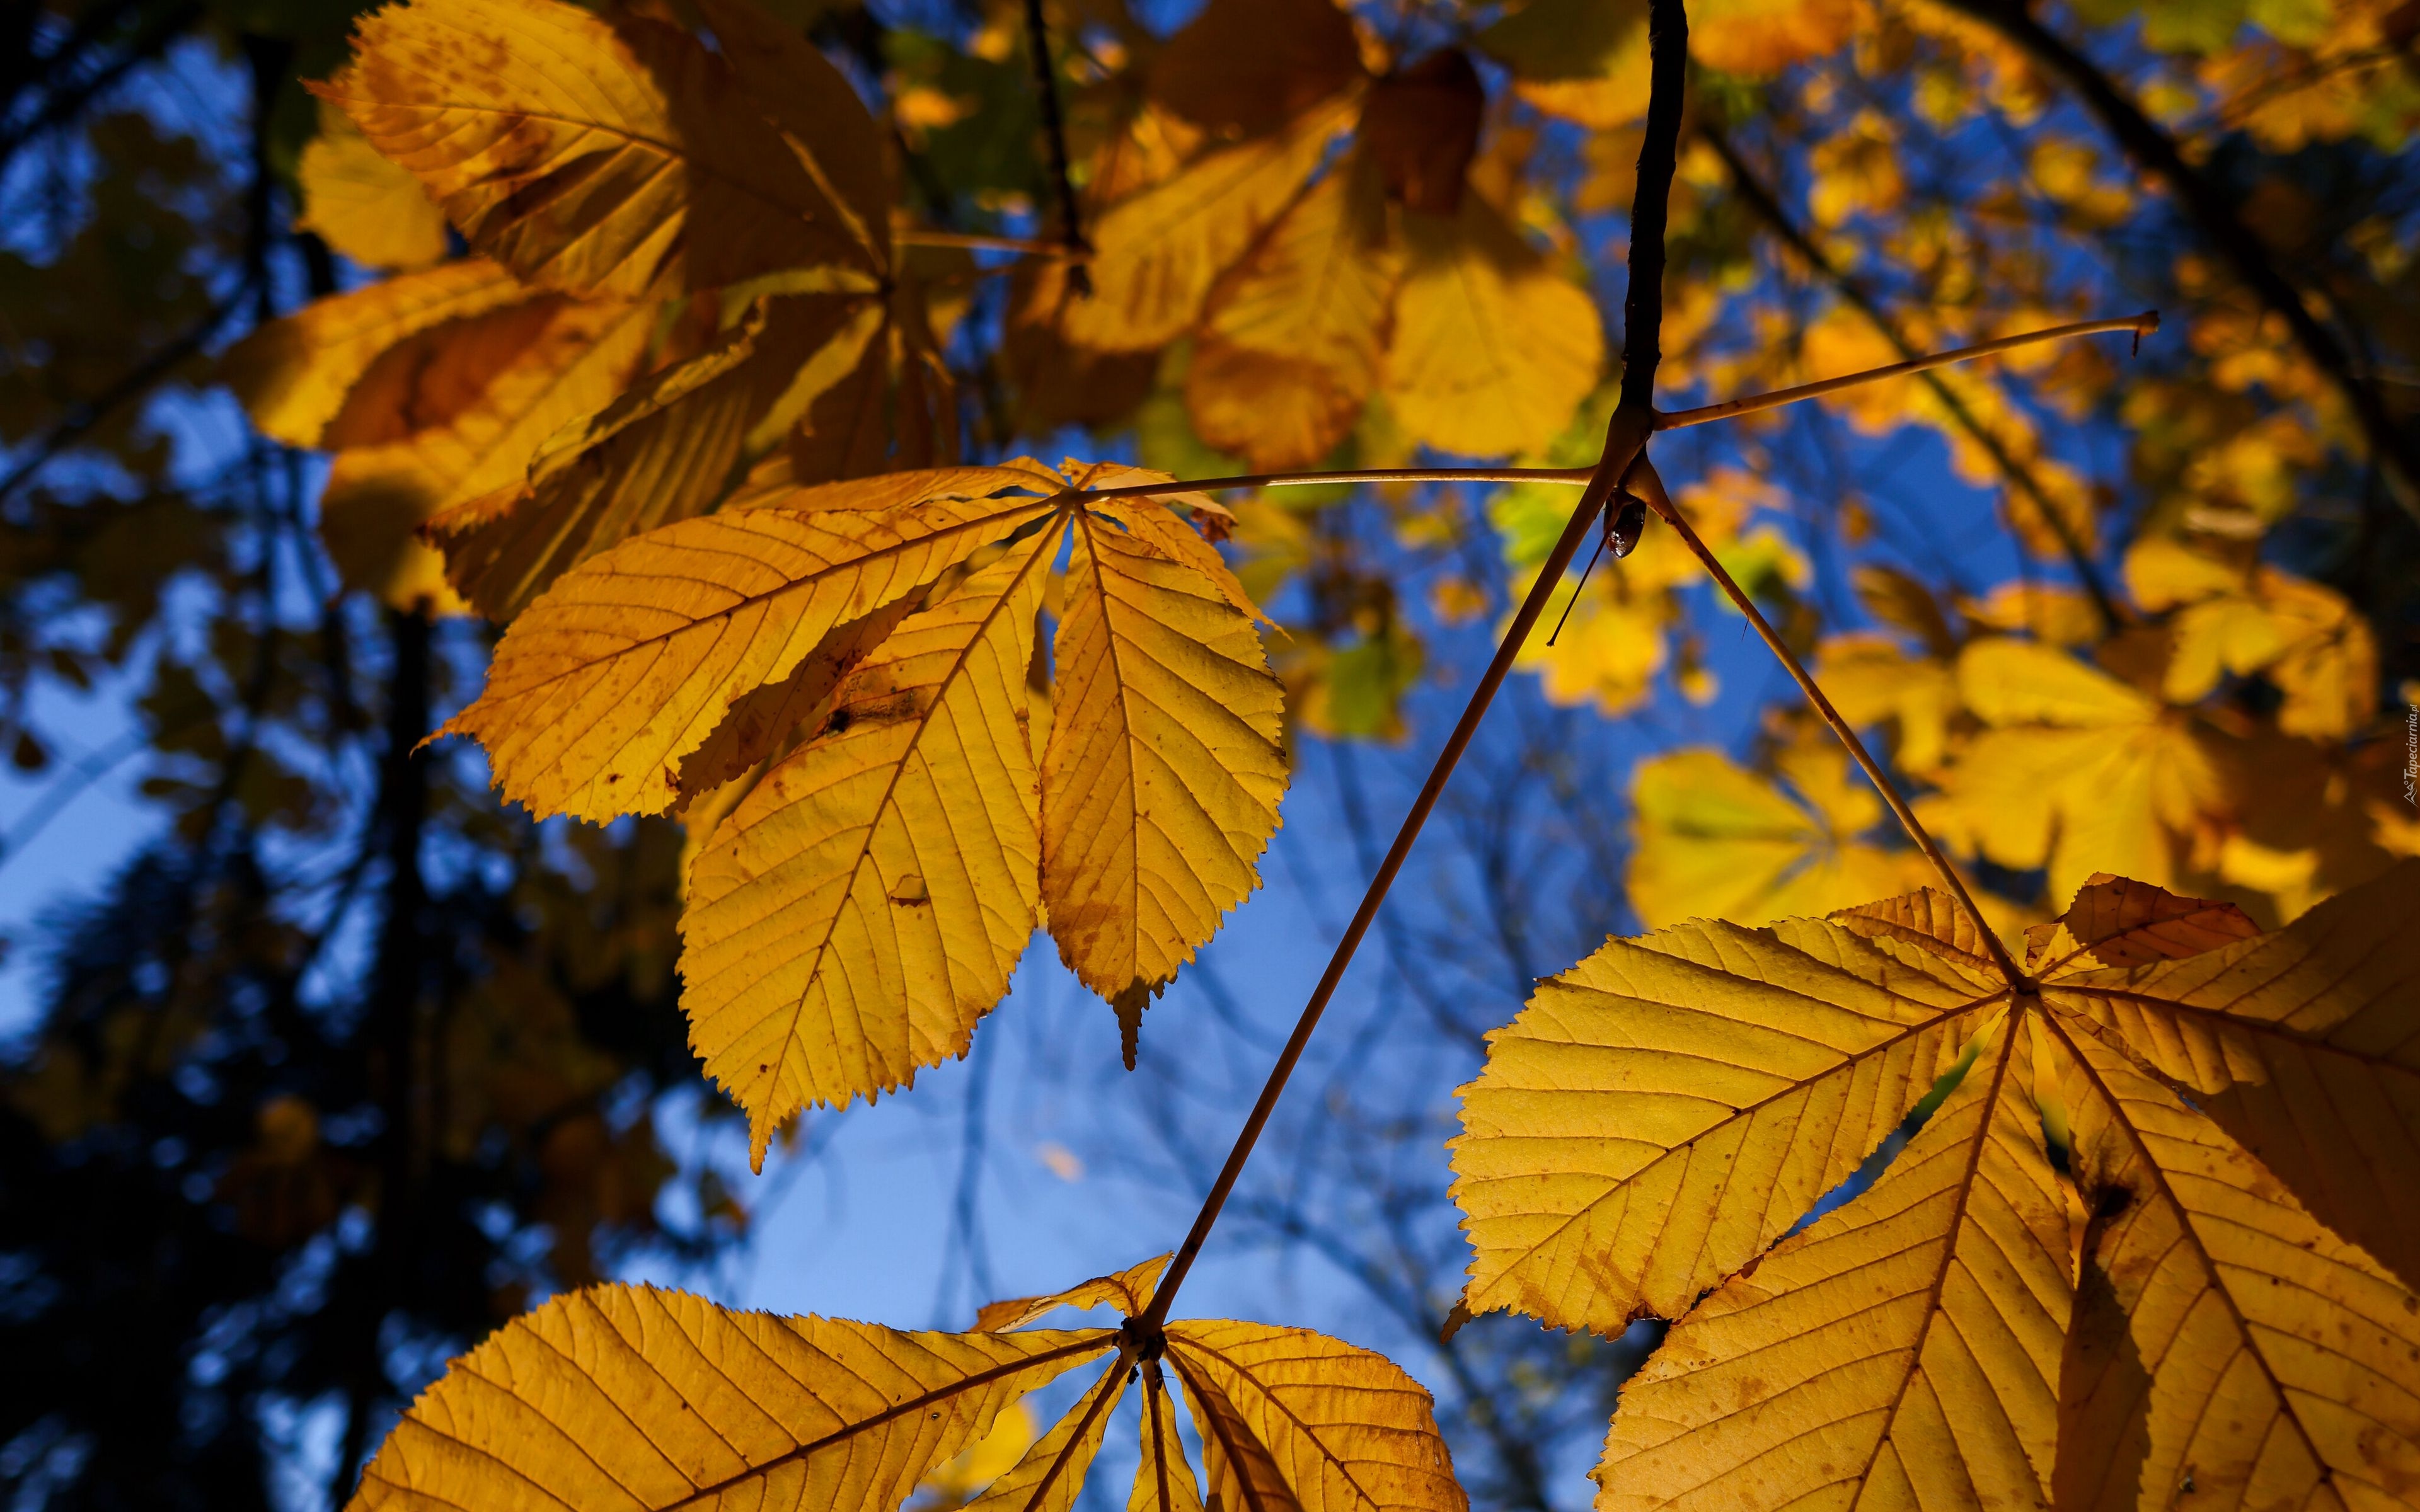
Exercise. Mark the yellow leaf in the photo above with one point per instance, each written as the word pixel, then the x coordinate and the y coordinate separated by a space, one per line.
pixel 2303 637
pixel 866 904
pixel 1585 60
pixel 630 660
pixel 1977 1329
pixel 1290 350
pixel 2079 772
pixel 1062 1457
pixel 646 1401
pixel 1494 347
pixel 630 1396
pixel 1292 1421
pixel 590 155
pixel 980 1464
pixel 1161 781
pixel 1711 839
pixel 665 450
pixel 1162 249
pixel 361 206
pixel 1163 1478
pixel 379 494
pixel 1664 1110
pixel 1869 679
pixel 295 375
pixel 1904 1350
pixel 2305 1045
pixel 2046 611
pixel 1129 1290
pixel 2244 1350
pixel 1759 38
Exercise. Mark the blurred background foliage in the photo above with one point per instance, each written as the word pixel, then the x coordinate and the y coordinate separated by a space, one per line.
pixel 335 1064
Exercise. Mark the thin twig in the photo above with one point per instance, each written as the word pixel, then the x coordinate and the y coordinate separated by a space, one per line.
pixel 1524 619
pixel 1652 488
pixel 1054 131
pixel 2141 325
pixel 1310 480
pixel 74 94
pixel 971 241
pixel 1626 435
pixel 81 419
pixel 2149 321
pixel 1760 199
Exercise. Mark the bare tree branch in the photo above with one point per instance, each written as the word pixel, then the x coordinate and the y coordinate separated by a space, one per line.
pixel 2157 154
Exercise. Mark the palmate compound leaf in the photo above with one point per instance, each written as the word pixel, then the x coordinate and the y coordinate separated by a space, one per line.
pixel 864 903
pixel 646 1401
pixel 597 155
pixel 1978 1328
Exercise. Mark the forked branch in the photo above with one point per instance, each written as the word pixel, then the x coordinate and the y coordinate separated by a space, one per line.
pixel 2141 325
pixel 1650 487
pixel 1729 409
pixel 1626 441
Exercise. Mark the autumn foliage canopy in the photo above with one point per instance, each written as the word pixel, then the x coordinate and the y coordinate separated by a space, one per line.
pixel 658 379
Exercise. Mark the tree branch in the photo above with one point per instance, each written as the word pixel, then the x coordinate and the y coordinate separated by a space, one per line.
pixel 69 96
pixel 1729 409
pixel 1054 130
pixel 1626 434
pixel 1657 500
pixel 2157 154
pixel 1768 208
pixel 80 420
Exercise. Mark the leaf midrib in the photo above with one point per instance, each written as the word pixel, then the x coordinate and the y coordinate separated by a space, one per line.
pixel 890 786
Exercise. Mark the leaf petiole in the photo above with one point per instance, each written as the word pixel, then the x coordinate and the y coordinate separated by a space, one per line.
pixel 2140 325
pixel 972 241
pixel 1651 488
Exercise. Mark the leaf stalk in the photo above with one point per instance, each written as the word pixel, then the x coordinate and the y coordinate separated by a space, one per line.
pixel 1625 443
pixel 2141 325
pixel 1650 487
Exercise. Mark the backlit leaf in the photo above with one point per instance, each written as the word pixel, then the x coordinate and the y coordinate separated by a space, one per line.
pixel 1163 247
pixel 629 662
pixel 740 1409
pixel 2073 1286
pixel 294 375
pixel 1291 349
pixel 586 154
pixel 649 1400
pixel 866 904
pixel 1296 1420
pixel 2078 772
pixel 2305 1045
pixel 1903 1349
pixel 1494 347
pixel 1161 781
pixel 362 205
pixel 1711 839
pixel 1664 1110
pixel 664 450
pixel 1129 1290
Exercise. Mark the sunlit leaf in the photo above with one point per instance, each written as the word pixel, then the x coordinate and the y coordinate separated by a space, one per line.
pixel 1494 347
pixel 588 154
pixel 362 205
